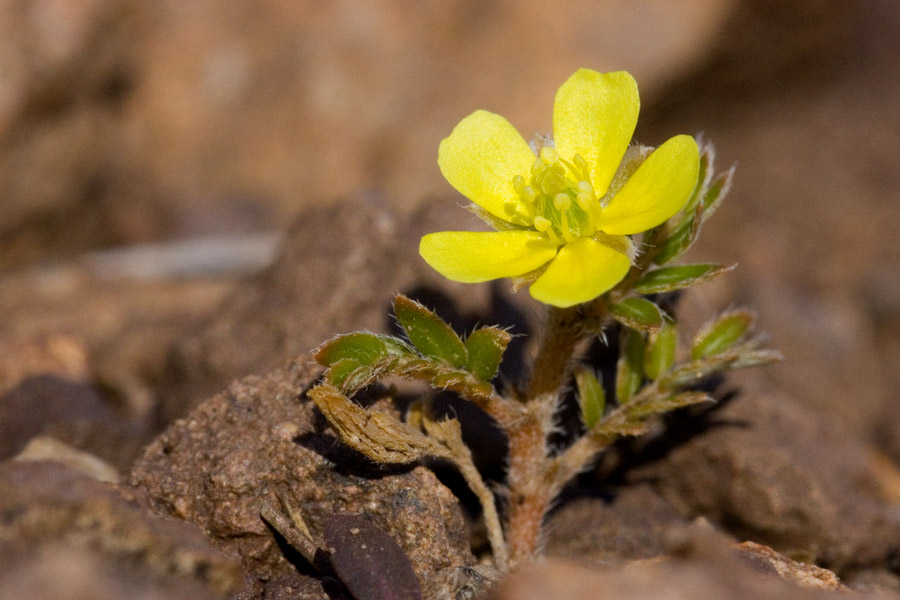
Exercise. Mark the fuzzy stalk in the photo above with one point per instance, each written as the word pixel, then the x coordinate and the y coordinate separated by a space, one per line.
pixel 529 491
pixel 551 365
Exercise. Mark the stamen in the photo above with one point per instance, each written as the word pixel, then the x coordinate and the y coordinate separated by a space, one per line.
pixel 511 208
pixel 542 223
pixel 519 184
pixel 562 202
pixel 585 186
pixel 529 195
pixel 584 201
pixel 549 155
pixel 583 169
pixel 565 230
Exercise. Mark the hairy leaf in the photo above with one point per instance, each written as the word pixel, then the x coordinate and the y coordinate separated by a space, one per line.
pixel 629 369
pixel 721 333
pixel 485 348
pixel 660 351
pixel 591 396
pixel 667 279
pixel 430 334
pixel 668 404
pixel 362 347
pixel 637 313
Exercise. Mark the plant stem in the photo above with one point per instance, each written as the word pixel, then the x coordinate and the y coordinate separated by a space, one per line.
pixel 529 494
pixel 530 490
pixel 564 331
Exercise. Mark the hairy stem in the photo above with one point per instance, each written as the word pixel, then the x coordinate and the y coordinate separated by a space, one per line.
pixel 551 366
pixel 529 494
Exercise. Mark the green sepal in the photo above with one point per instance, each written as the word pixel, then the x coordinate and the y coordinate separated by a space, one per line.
pixel 721 333
pixel 659 355
pixel 638 313
pixel 629 369
pixel 668 404
pixel 485 348
pixel 591 397
pixel 430 334
pixel 667 279
pixel 362 347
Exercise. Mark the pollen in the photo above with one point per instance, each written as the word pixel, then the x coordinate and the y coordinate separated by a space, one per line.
pixel 556 197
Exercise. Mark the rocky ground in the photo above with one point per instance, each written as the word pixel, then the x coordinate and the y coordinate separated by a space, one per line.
pixel 152 381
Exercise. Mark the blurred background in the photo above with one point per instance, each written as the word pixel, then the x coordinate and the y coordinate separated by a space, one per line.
pixel 195 131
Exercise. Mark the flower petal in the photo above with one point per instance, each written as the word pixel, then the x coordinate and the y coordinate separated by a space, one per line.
pixel 480 158
pixel 657 189
pixel 581 271
pixel 595 115
pixel 473 256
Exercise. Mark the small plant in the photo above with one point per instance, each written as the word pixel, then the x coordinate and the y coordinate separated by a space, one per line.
pixel 564 214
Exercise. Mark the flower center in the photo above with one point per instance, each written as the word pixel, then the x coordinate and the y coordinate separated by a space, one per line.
pixel 557 198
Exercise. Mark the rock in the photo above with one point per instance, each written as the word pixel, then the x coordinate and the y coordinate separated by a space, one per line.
pixel 812 215
pixel 66 535
pixel 806 576
pixel 708 568
pixel 338 270
pixel 43 402
pixel 65 68
pixel 635 523
pixel 777 473
pixel 51 354
pixel 647 580
pixel 261 443
pixel 47 448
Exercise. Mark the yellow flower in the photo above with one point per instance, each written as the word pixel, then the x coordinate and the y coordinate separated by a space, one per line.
pixel 565 214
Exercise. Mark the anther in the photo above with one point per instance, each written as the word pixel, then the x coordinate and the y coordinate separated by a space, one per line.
pixel 584 200
pixel 585 186
pixel 562 202
pixel 529 194
pixel 519 184
pixel 549 155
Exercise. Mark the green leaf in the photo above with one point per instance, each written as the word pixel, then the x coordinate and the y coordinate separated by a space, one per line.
pixel 591 396
pixel 430 334
pixel 704 174
pixel 721 333
pixel 668 279
pixel 362 347
pixel 659 355
pixel 668 404
pixel 350 376
pixel 695 371
pixel 629 369
pixel 680 239
pixel 485 348
pixel 340 370
pixel 637 313
pixel 716 193
pixel 756 358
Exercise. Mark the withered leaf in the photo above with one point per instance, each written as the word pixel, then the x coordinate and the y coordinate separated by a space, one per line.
pixel 379 436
